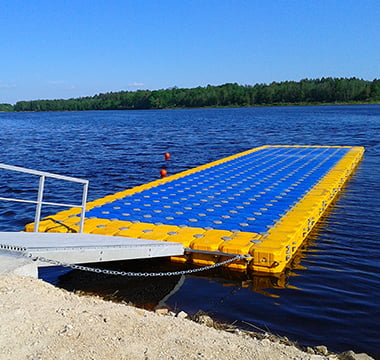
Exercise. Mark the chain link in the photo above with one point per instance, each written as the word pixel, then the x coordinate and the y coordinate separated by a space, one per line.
pixel 133 274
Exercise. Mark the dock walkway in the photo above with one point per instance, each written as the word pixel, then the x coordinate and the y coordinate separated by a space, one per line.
pixel 261 203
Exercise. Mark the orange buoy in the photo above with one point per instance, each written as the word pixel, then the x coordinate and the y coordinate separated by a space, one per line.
pixel 167 156
pixel 163 173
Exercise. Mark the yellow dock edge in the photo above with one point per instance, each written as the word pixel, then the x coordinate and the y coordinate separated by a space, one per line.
pixel 269 253
pixel 280 244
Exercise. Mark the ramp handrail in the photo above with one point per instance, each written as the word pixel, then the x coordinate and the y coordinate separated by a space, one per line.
pixel 39 202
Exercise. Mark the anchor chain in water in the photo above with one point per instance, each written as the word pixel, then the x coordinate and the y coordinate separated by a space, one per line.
pixel 135 274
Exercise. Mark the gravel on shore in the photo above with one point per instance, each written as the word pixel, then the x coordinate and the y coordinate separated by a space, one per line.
pixel 41 322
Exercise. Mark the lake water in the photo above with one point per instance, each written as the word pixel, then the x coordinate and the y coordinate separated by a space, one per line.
pixel 329 296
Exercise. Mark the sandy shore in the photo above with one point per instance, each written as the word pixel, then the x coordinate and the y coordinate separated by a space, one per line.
pixel 39 321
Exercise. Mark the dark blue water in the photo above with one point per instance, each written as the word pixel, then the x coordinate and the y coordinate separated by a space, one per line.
pixel 329 295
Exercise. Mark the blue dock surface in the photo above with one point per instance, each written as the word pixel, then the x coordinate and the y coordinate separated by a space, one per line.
pixel 248 193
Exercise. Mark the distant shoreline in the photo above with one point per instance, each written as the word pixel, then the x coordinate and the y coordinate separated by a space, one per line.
pixel 324 91
pixel 215 107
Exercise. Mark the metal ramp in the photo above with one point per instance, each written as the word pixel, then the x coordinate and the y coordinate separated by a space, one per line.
pixel 77 248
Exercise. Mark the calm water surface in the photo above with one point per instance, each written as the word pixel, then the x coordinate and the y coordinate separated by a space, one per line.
pixel 329 295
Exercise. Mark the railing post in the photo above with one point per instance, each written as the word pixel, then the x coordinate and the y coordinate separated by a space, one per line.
pixel 39 203
pixel 84 202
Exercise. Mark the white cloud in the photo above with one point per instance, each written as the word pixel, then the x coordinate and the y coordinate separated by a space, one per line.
pixel 136 84
pixel 4 86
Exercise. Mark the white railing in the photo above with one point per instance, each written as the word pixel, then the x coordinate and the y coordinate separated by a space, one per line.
pixel 39 202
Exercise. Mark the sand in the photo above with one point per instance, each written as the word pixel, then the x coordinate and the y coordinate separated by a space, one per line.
pixel 40 321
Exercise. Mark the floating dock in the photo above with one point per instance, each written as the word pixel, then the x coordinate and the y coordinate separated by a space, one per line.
pixel 261 203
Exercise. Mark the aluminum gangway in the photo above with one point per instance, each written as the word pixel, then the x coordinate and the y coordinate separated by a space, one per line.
pixel 72 248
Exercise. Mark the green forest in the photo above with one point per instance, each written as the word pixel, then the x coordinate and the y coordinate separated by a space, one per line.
pixel 304 92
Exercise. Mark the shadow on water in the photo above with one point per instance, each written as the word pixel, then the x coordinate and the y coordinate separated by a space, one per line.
pixel 150 292
pixel 144 292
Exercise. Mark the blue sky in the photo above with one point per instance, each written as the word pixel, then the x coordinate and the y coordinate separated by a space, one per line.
pixel 61 49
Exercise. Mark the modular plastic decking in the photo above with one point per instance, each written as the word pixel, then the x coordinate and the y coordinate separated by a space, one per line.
pixel 261 203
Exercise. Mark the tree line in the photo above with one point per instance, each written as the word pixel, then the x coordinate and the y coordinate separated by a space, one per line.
pixel 306 91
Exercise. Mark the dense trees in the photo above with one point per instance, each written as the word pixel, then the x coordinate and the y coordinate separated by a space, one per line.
pixel 306 91
pixel 6 107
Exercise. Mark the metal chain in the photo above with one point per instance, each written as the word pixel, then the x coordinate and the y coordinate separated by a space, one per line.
pixel 136 274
